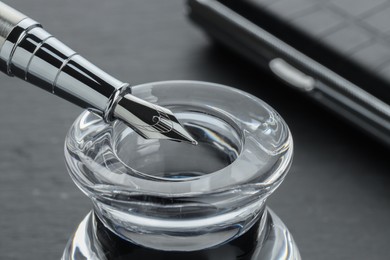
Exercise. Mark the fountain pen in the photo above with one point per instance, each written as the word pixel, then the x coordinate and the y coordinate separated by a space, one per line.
pixel 29 52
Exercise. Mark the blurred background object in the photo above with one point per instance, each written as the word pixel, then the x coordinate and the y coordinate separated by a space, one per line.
pixel 339 59
pixel 335 200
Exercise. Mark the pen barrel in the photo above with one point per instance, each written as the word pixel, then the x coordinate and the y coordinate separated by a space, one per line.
pixel 28 52
pixel 9 18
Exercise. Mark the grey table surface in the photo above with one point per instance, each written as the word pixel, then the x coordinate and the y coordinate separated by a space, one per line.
pixel 335 200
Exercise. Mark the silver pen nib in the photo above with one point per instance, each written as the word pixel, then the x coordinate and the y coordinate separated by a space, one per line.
pixel 149 120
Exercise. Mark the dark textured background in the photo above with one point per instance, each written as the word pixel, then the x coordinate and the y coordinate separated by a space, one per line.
pixel 335 201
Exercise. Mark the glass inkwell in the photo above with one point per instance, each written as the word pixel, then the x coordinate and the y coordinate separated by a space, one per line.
pixel 158 199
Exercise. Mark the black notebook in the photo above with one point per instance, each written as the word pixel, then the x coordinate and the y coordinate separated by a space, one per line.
pixel 335 51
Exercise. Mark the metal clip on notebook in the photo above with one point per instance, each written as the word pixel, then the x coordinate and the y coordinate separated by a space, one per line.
pixel 29 52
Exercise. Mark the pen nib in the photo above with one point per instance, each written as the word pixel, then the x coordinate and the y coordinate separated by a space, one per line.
pixel 151 121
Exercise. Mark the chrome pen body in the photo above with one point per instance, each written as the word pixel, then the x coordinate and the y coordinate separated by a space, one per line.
pixel 29 52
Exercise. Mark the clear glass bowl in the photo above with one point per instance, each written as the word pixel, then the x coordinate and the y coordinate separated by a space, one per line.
pixel 175 196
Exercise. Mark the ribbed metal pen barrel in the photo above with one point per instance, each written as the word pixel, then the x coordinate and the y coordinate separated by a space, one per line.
pixel 29 52
pixel 32 54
